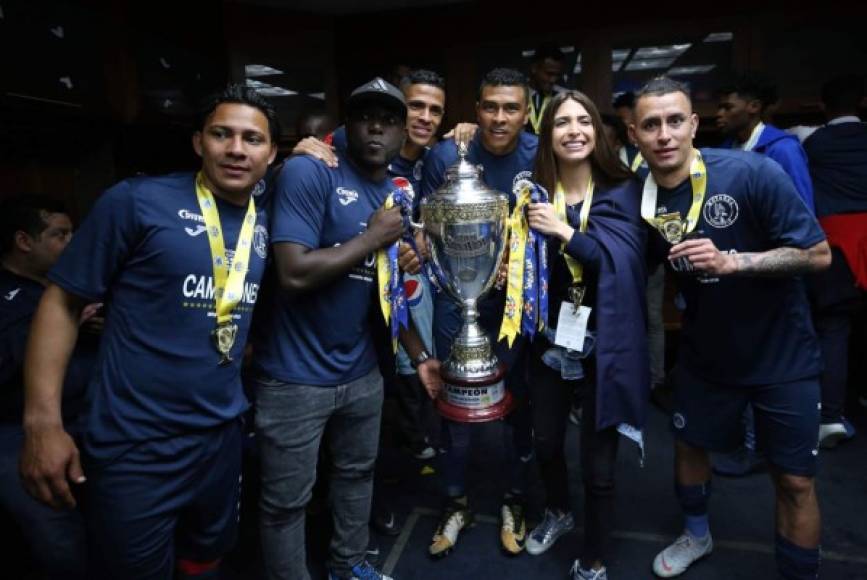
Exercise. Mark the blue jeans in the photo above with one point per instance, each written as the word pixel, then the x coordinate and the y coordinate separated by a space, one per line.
pixel 56 537
pixel 290 422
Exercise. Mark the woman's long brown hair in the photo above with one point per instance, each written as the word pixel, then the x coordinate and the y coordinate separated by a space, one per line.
pixel 606 167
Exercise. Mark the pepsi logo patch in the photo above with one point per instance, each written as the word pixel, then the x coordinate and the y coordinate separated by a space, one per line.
pixel 414 291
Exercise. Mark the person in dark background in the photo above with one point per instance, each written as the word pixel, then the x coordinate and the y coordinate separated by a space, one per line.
pixel 181 257
pixel 837 154
pixel 742 105
pixel 317 124
pixel 546 68
pixel 35 230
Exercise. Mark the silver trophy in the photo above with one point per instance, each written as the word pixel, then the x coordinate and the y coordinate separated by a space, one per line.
pixel 465 222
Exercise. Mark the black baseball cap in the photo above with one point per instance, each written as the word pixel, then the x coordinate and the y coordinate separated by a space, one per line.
pixel 378 91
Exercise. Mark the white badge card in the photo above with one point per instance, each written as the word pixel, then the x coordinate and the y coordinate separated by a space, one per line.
pixel 572 326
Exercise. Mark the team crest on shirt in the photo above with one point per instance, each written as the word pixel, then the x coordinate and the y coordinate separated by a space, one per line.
pixel 521 180
pixel 346 196
pixel 260 241
pixel 678 420
pixel 417 169
pixel 721 210
pixel 259 188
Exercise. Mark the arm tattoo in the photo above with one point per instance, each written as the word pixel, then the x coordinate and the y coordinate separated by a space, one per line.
pixel 781 261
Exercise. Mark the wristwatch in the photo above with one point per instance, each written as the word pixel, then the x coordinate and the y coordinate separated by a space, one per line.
pixel 422 356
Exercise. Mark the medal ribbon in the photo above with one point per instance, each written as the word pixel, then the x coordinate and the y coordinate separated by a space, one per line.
pixel 536 116
pixel 698 180
pixel 392 296
pixel 228 282
pixel 526 306
pixel 636 163
pixel 575 267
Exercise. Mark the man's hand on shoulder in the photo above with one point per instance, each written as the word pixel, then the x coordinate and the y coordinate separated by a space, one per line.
pixel 318 149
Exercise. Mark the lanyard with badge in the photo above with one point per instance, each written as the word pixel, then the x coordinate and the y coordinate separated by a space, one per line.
pixel 228 278
pixel 536 115
pixel 573 318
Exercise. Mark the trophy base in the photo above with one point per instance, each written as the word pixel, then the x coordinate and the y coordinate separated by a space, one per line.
pixel 466 401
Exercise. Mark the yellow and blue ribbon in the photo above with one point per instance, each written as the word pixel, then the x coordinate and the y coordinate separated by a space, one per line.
pixel 526 308
pixel 392 296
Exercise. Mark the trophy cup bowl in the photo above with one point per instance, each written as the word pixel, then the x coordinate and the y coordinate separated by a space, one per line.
pixel 465 223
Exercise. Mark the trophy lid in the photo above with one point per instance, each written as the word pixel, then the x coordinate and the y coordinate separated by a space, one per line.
pixel 463 183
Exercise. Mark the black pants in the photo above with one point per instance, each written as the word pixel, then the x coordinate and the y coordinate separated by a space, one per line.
pixel 551 399
pixel 836 301
pixel 412 403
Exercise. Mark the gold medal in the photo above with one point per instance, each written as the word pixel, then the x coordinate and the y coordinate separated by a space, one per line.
pixel 671 226
pixel 228 277
pixel 224 339
pixel 576 296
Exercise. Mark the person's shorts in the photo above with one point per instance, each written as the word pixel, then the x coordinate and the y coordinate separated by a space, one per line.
pixel 709 416
pixel 163 501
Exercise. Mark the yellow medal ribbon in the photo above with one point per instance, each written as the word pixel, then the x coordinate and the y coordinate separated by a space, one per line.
pixel 636 163
pixel 575 267
pixel 518 230
pixel 536 116
pixel 383 277
pixel 514 308
pixel 228 281
pixel 698 181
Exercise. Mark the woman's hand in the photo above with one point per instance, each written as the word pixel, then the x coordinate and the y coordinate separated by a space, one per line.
pixel 543 219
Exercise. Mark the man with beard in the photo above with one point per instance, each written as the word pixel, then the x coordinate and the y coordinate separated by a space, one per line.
pixel 317 363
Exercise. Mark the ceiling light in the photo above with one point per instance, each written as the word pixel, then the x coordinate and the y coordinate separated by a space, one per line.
pixel 649 63
pixel 668 51
pixel 260 70
pixel 719 37
pixel 691 70
pixel 269 90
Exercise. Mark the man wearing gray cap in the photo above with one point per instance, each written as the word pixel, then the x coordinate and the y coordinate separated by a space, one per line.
pixel 316 364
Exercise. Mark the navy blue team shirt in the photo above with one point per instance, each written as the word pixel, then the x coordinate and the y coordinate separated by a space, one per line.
pixel 143 250
pixel 322 337
pixel 746 330
pixel 837 155
pixel 501 172
pixel 19 298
